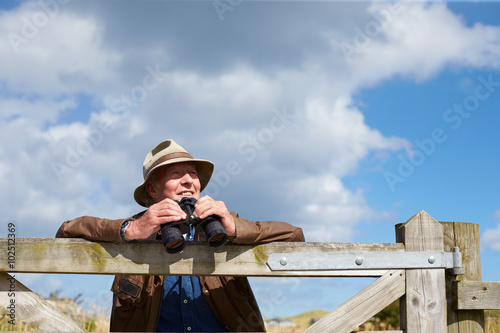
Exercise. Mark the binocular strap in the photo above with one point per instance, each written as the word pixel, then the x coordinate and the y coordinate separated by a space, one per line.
pixel 190 234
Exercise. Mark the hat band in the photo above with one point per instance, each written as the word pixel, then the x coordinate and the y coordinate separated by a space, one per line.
pixel 170 157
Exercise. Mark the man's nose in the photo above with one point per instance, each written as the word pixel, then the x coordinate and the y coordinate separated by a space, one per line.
pixel 187 178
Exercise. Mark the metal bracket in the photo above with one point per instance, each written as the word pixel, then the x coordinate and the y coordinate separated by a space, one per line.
pixel 366 260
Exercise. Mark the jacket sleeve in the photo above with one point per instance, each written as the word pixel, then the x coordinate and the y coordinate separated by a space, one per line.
pixel 248 232
pixel 92 228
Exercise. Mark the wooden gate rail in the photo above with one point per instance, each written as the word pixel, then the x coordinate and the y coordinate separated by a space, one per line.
pixel 78 256
pixel 432 300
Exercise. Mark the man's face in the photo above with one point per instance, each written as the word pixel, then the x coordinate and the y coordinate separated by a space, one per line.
pixel 175 181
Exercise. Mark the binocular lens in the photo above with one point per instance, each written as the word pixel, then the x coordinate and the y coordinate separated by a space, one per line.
pixel 172 238
pixel 215 233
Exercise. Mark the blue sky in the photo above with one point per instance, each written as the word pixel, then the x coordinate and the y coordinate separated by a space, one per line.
pixel 384 110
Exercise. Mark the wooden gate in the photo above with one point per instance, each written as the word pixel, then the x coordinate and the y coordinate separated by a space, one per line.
pixel 432 299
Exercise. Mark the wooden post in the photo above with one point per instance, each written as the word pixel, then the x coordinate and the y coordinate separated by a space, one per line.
pixel 423 308
pixel 466 237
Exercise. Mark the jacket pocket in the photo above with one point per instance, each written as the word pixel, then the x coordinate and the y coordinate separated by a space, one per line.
pixel 130 289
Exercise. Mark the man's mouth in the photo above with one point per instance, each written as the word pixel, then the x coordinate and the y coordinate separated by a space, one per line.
pixel 187 194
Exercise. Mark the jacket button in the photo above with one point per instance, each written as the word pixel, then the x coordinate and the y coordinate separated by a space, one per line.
pixel 206 292
pixel 138 299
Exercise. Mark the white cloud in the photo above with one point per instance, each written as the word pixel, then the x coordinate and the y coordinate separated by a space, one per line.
pixel 34 112
pixel 331 210
pixel 417 40
pixel 490 239
pixel 54 54
pixel 341 135
pixel 36 196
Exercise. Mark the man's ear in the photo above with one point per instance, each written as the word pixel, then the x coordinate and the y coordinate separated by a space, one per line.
pixel 152 190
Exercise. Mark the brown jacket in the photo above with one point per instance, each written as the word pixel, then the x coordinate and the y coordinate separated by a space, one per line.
pixel 137 298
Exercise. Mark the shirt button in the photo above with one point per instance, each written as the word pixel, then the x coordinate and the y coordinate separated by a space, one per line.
pixel 185 301
pixel 205 292
pixel 189 328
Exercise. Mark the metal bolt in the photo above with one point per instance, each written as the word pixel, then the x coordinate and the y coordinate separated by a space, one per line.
pixel 432 259
pixel 359 261
pixel 283 261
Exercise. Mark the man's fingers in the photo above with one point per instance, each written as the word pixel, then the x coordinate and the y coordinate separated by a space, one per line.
pixel 207 206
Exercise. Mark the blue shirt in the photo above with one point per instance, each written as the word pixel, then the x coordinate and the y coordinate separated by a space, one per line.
pixel 184 308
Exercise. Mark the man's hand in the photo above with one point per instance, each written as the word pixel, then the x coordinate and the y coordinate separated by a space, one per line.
pixel 207 206
pixel 161 212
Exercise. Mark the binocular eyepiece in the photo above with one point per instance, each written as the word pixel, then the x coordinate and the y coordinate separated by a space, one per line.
pixel 172 233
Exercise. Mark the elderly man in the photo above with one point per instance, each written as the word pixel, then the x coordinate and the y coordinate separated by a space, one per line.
pixel 180 303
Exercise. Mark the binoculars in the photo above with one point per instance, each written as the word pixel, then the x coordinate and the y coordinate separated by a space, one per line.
pixel 172 233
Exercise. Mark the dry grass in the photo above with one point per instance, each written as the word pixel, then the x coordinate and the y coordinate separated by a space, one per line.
pixel 492 319
pixel 96 319
pixel 301 321
pixel 492 322
pixel 18 324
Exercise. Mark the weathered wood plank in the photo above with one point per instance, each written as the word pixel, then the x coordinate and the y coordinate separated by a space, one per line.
pixel 423 308
pixel 364 305
pixel 30 308
pixel 478 295
pixel 467 237
pixel 77 256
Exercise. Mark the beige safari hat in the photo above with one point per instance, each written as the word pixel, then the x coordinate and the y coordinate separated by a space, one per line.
pixel 169 152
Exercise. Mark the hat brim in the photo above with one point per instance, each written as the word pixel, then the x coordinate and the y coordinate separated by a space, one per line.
pixel 204 169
